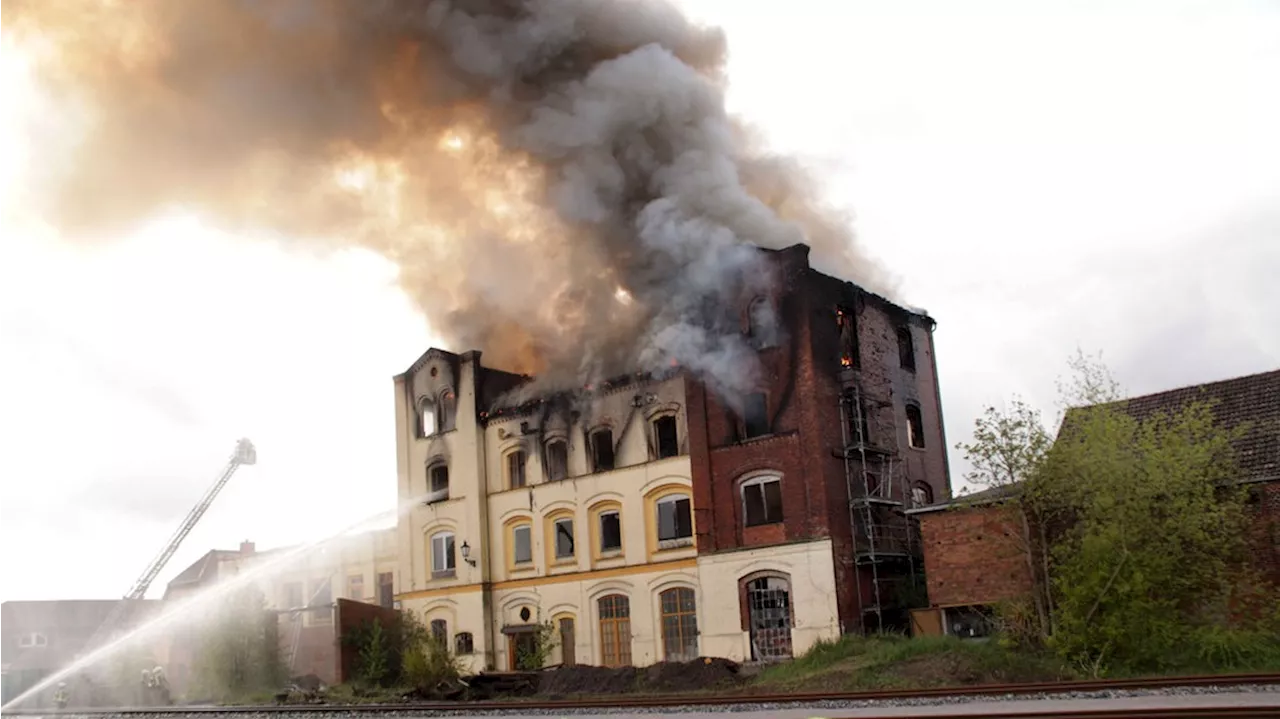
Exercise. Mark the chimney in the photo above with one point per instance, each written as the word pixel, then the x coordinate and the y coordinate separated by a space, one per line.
pixel 246 547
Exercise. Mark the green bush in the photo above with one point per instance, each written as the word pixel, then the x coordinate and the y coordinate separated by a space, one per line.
pixel 429 664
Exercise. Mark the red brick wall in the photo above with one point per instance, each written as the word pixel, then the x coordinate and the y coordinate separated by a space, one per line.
pixel 802 381
pixel 973 556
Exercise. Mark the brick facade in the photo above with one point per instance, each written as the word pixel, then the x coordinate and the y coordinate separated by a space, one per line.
pixel 802 379
pixel 973 556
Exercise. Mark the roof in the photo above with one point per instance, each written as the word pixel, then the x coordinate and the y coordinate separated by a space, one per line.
pixel 1252 400
pixel 203 568
pixel 993 495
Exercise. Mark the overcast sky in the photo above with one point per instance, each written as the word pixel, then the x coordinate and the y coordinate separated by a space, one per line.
pixel 1041 177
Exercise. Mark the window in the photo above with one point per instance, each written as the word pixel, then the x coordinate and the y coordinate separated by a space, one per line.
pixel 762 500
pixel 915 427
pixel 355 587
pixel 426 418
pixel 615 631
pixel 610 531
pixel 437 483
pixel 921 495
pixel 665 436
pixel 515 469
pixel 567 642
pixel 386 589
pixel 440 632
pixel 564 538
pixel 755 415
pixel 675 522
pixel 446 411
pixel 761 325
pixel 906 349
pixel 859 426
pixel 557 460
pixel 847 322
pixel 33 639
pixel 679 624
pixel 768 601
pixel 463 643
pixel 522 539
pixel 442 555
pixel 321 599
pixel 602 450
pixel 293 595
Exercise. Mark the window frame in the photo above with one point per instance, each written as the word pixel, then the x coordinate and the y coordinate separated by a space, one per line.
pixel 593 450
pixel 616 513
pixel 510 465
pixel 761 480
pixel 354 581
pixel 438 629
pixel 458 639
pixel 617 627
pixel 686 635
pixel 677 540
pixel 450 549
pixel 527 526
pixel 906 348
pixel 434 467
pixel 764 425
pixel 551 465
pixel 915 427
pixel 657 435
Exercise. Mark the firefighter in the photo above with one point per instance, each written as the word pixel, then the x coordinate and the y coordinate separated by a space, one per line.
pixel 60 697
pixel 160 687
pixel 144 698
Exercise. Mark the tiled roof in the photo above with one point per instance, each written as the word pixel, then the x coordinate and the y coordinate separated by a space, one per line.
pixel 1253 400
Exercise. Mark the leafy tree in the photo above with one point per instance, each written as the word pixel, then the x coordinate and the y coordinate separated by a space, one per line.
pixel 240 649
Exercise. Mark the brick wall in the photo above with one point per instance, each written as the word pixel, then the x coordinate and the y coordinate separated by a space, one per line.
pixel 351 616
pixel 973 556
pixel 802 379
pixel 1264 538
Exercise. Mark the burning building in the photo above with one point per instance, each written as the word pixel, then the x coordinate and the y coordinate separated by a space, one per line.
pixel 609 511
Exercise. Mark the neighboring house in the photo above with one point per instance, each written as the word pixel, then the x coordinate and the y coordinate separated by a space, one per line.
pixel 647 521
pixel 301 590
pixel 971 562
pixel 41 637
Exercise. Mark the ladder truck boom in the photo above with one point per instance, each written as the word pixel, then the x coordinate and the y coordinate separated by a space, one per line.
pixel 244 454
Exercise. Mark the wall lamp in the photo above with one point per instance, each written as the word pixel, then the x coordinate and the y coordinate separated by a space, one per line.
pixel 466 553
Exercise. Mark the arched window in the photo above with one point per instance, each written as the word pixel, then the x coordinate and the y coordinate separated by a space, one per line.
pixel 442 554
pixel 426 417
pixel 762 500
pixel 679 624
pixel 522 543
pixel 615 631
pixel 557 460
pixel 437 482
pixel 516 462
pixel 915 427
pixel 666 436
pixel 768 600
pixel 463 643
pixel 906 349
pixel 446 411
pixel 440 632
pixel 921 495
pixel 602 459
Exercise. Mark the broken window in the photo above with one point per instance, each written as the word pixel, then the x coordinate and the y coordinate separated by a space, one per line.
pixel 915 427
pixel 463 643
pixel 906 349
pixel 522 538
pixel 557 460
pixel 921 495
pixel 426 418
pixel 666 437
pixel 437 483
pixel 564 538
pixel 755 415
pixel 762 500
pixel 610 532
pixel 446 411
pixel 602 450
pixel 515 469
pixel 675 521
pixel 849 355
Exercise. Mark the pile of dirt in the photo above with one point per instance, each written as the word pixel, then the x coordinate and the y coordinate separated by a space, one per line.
pixel 660 678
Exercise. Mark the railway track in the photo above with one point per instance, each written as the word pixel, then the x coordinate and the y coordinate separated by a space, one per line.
pixel 748 699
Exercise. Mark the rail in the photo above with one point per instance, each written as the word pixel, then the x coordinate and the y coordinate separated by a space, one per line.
pixel 747 698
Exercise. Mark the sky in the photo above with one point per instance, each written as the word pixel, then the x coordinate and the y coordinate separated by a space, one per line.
pixel 1040 176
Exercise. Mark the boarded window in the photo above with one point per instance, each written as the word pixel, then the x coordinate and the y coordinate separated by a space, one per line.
pixel 755 415
pixel 674 519
pixel 610 532
pixel 522 538
pixel 564 538
pixel 557 460
pixel 515 469
pixel 915 427
pixel 762 501
pixel 602 450
pixel 666 437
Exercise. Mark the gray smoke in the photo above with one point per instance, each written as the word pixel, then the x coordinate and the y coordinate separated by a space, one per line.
pixel 558 180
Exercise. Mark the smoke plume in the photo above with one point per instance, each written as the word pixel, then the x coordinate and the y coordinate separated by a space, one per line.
pixel 558 180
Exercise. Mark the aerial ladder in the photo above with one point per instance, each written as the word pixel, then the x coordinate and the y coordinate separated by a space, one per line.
pixel 244 454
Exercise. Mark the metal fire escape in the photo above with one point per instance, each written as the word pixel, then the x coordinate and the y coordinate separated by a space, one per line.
pixel 877 489
pixel 244 454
